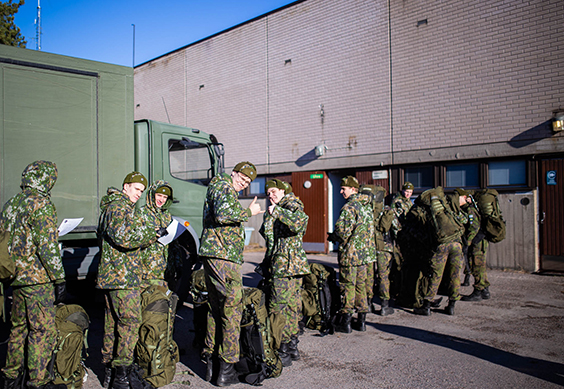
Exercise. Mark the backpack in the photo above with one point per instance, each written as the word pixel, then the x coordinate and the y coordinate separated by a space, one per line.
pixel 7 264
pixel 320 298
pixel 492 223
pixel 156 351
pixel 67 364
pixel 258 356
pixel 444 223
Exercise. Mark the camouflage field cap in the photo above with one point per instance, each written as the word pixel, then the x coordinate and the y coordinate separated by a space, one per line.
pixel 407 186
pixel 275 183
pixel 247 169
pixel 135 177
pixel 350 181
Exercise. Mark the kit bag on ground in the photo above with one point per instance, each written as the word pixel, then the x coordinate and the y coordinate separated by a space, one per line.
pixel 156 351
pixel 67 364
pixel 320 298
pixel 258 356
pixel 493 224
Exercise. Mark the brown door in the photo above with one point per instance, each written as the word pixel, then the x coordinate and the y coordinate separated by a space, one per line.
pixel 312 189
pixel 551 195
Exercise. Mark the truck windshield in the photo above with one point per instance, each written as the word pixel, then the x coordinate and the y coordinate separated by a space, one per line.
pixel 190 161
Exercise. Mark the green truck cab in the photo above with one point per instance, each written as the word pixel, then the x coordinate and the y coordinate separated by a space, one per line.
pixel 79 114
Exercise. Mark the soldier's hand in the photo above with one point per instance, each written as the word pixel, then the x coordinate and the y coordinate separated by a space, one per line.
pixel 161 232
pixel 271 208
pixel 332 237
pixel 255 208
pixel 60 292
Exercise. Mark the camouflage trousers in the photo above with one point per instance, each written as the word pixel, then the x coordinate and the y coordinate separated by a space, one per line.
pixel 33 333
pixel 225 296
pixel 384 265
pixel 286 300
pixel 477 255
pixel 352 280
pixel 122 319
pixel 451 253
pixel 371 269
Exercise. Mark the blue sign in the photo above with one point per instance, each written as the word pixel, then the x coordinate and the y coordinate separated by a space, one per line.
pixel 551 177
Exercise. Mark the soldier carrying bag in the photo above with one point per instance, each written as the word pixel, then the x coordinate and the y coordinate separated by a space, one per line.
pixel 492 225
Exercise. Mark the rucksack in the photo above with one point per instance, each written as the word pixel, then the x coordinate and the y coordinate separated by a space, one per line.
pixel 7 264
pixel 492 223
pixel 444 223
pixel 258 356
pixel 67 364
pixel 320 298
pixel 156 351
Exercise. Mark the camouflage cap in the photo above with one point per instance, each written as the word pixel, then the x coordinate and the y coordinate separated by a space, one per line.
pixel 165 189
pixel 350 181
pixel 247 169
pixel 274 183
pixel 135 177
pixel 407 186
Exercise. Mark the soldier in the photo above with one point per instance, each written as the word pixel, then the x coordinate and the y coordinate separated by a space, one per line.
pixel 477 250
pixel 354 230
pixel 155 214
pixel 401 203
pixel 384 217
pixel 39 284
pixel 222 255
pixel 283 229
pixel 447 252
pixel 122 235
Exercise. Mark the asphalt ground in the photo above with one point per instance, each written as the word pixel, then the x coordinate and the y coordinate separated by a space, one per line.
pixel 513 340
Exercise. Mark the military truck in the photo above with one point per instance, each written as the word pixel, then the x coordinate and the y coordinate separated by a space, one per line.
pixel 79 114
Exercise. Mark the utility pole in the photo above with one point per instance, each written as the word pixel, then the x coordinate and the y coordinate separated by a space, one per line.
pixel 133 45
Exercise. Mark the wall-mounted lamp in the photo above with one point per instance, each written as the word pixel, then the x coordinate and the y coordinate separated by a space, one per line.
pixel 320 150
pixel 558 120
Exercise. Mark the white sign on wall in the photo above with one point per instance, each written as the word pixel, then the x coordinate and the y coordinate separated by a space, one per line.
pixel 379 174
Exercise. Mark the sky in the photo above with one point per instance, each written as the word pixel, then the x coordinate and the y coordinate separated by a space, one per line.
pixel 102 30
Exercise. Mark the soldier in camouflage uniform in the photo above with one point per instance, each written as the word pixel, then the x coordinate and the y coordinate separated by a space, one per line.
pixel 155 214
pixel 448 250
pixel 354 230
pixel 283 229
pixel 31 220
pixel 384 217
pixel 122 235
pixel 477 250
pixel 401 204
pixel 222 254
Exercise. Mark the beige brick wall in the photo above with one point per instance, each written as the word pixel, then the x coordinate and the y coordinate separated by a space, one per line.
pixel 480 79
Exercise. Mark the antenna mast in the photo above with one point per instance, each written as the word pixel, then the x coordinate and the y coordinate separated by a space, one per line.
pixel 38 27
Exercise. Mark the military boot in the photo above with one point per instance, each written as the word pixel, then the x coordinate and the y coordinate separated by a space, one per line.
pixel 449 309
pixel 425 310
pixel 385 308
pixel 293 348
pixel 475 296
pixel 344 323
pixel 107 376
pixel 360 324
pixel 227 374
pixel 437 302
pixel 208 360
pixel 284 354
pixel 121 378
pixel 486 294
pixel 466 281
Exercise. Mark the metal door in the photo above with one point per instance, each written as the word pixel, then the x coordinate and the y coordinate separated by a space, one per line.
pixel 551 194
pixel 312 189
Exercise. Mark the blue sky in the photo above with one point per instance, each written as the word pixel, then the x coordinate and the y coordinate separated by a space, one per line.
pixel 102 30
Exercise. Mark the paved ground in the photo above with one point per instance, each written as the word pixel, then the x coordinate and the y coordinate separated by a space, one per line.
pixel 513 340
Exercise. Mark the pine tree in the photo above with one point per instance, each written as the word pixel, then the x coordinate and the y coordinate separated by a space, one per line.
pixel 10 33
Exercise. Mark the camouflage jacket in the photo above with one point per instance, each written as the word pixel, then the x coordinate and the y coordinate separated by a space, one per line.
pixel 154 257
pixel 283 231
pixel 31 220
pixel 401 206
pixel 223 235
pixel 122 236
pixel 355 232
pixel 473 227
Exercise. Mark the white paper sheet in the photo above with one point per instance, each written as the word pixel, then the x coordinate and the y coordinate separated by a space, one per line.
pixel 68 225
